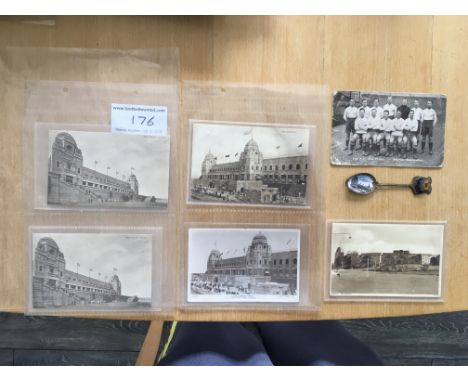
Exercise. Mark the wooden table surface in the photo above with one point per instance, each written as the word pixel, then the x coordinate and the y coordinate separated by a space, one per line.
pixel 414 54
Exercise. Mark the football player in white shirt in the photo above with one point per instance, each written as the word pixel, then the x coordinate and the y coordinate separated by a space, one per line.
pixel 385 125
pixel 429 119
pixel 390 107
pixel 367 109
pixel 411 134
pixel 417 114
pixel 360 130
pixel 376 106
pixel 397 134
pixel 350 114
pixel 389 129
pixel 373 131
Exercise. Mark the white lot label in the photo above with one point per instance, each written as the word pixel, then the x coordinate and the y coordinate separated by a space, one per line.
pixel 139 119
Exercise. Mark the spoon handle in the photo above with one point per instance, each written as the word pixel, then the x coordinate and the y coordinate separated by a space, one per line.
pixel 393 185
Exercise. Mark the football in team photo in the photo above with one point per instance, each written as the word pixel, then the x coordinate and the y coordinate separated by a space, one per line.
pixel 404 130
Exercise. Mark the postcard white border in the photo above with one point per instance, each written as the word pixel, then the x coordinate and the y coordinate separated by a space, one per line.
pixel 157 234
pixel 309 279
pixel 268 299
pixel 39 191
pixel 329 296
pixel 312 140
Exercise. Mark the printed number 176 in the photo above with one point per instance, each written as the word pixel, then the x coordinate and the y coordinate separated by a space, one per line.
pixel 143 120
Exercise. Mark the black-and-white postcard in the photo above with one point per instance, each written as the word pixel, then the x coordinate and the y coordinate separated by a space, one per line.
pixel 91 271
pixel 243 265
pixel 106 170
pixel 386 260
pixel 388 129
pixel 249 164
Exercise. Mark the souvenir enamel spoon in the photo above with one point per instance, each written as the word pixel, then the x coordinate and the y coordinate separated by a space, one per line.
pixel 364 184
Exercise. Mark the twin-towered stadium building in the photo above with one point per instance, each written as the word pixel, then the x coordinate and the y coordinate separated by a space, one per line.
pixel 259 268
pixel 253 178
pixel 53 285
pixel 70 182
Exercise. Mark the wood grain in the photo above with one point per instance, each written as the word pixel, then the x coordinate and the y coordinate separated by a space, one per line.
pixel 73 358
pixel 450 362
pixel 149 350
pixel 6 357
pixel 53 333
pixel 438 339
pixel 373 53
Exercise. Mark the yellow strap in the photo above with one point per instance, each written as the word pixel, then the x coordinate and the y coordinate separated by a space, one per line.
pixel 168 342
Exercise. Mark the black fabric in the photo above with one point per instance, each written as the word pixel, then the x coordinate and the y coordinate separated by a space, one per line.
pixel 214 344
pixel 350 125
pixel 280 343
pixel 306 343
pixel 428 128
